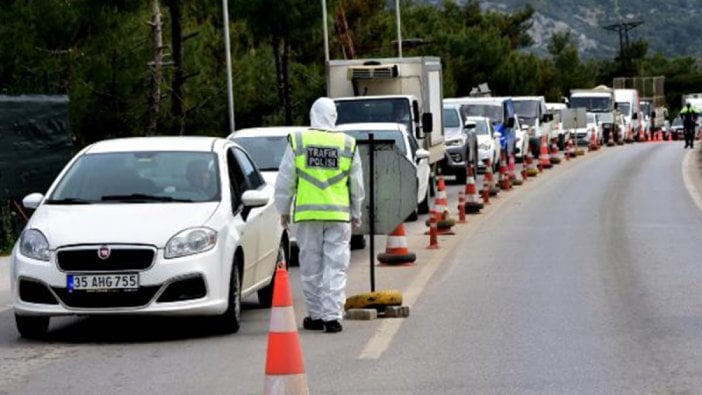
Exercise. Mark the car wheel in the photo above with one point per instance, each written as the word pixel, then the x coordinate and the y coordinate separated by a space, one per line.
pixel 265 295
pixel 32 327
pixel 230 320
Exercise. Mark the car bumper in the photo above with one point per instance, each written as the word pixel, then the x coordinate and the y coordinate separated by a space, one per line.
pixel 154 295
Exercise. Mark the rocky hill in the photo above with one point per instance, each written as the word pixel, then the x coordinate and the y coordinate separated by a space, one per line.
pixel 671 27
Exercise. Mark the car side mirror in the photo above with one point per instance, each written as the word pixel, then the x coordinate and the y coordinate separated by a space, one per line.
pixel 253 198
pixel 427 123
pixel 422 154
pixel 32 200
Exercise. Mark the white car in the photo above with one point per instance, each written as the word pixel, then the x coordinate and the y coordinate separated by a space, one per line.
pixel 148 225
pixel 488 141
pixel 584 135
pixel 407 145
pixel 266 145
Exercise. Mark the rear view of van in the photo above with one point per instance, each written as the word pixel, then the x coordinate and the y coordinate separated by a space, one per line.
pixel 628 104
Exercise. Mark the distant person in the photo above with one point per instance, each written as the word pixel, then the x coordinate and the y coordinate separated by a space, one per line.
pixel 689 117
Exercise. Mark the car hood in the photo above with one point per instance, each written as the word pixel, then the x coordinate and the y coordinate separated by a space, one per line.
pixel 452 133
pixel 152 223
pixel 483 138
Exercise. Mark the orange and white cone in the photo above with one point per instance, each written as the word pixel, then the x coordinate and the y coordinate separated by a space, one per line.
pixel 396 251
pixel 593 142
pixel 569 151
pixel 444 221
pixel 285 369
pixel 555 158
pixel 462 207
pixel 489 180
pixel 473 202
pixel 433 232
pixel 531 170
pixel 544 157
pixel 610 139
pixel 505 181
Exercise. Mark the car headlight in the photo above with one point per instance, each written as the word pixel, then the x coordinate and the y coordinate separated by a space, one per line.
pixel 33 244
pixel 190 241
pixel 484 146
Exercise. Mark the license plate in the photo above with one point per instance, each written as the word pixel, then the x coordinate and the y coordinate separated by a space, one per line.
pixel 93 282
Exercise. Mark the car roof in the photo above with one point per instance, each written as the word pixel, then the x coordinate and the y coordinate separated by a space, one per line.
pixel 156 143
pixel 267 131
pixel 476 100
pixel 529 98
pixel 475 118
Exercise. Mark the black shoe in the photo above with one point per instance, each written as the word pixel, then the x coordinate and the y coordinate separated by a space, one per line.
pixel 312 325
pixel 332 326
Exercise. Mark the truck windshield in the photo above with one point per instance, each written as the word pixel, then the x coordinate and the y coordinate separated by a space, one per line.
pixel 395 110
pixel 494 112
pixel 624 107
pixel 645 107
pixel 592 104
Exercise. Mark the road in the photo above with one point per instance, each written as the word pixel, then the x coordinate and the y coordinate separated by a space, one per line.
pixel 581 281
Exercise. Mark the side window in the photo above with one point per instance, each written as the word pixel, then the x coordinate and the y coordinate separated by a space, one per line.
pixel 237 181
pixel 251 174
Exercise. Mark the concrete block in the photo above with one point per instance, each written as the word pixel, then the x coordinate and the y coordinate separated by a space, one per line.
pixel 361 314
pixel 396 311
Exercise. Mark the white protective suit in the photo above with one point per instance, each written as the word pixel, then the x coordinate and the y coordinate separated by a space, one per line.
pixel 324 246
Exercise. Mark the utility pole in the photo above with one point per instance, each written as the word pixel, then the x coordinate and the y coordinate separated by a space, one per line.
pixel 623 29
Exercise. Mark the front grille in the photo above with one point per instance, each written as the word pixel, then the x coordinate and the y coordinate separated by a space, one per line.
pixel 121 258
pixel 106 299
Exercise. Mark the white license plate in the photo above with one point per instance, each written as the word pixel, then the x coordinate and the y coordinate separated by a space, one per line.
pixel 88 282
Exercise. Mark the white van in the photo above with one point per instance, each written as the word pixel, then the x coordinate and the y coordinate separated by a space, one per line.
pixel 628 104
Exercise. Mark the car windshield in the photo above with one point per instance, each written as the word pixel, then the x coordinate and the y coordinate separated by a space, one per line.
pixel 479 127
pixel 526 108
pixel 492 111
pixel 593 104
pixel 374 110
pixel 451 119
pixel 395 135
pixel 266 151
pixel 139 177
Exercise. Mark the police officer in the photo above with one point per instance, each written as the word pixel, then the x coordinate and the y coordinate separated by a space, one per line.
pixel 321 170
pixel 689 116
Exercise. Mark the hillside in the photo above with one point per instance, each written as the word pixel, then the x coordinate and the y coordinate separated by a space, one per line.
pixel 671 27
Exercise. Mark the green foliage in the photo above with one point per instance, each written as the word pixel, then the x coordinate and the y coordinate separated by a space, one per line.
pixel 99 52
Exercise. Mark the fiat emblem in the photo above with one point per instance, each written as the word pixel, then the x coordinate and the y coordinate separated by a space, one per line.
pixel 103 252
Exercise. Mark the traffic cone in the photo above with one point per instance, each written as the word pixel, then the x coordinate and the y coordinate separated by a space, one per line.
pixel 433 231
pixel 513 176
pixel 285 370
pixel 610 139
pixel 670 137
pixel 444 222
pixel 544 157
pixel 531 170
pixel 396 251
pixel 505 182
pixel 569 151
pixel 593 142
pixel 473 204
pixel 489 180
pixel 511 167
pixel 461 207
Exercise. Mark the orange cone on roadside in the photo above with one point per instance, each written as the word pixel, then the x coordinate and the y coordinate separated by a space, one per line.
pixel 433 232
pixel 593 142
pixel 489 180
pixel 505 182
pixel 544 157
pixel 531 169
pixel 670 137
pixel 285 370
pixel 461 207
pixel 473 203
pixel 610 139
pixel 396 251
pixel 441 200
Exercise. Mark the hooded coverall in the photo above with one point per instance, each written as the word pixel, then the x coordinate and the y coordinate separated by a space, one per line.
pixel 324 245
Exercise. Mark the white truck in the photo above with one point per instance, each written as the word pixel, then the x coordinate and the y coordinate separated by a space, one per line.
pixel 599 100
pixel 403 90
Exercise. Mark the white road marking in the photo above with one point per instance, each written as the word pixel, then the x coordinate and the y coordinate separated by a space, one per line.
pixel 687 169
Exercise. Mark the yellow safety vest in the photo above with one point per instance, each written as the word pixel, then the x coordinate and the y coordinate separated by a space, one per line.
pixel 323 162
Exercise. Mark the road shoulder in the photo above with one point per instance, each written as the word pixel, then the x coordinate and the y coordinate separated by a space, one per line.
pixel 692 174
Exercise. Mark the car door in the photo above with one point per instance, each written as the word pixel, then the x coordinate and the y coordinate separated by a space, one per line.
pixel 422 165
pixel 261 220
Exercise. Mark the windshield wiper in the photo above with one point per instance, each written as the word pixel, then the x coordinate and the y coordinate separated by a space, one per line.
pixel 141 198
pixel 268 168
pixel 69 201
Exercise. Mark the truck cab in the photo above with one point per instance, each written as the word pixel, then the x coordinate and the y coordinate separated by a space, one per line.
pixel 627 102
pixel 537 121
pixel 599 100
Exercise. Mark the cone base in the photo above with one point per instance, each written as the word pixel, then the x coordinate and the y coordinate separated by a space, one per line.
pixel 286 384
pixel 517 182
pixel 401 259
pixel 473 207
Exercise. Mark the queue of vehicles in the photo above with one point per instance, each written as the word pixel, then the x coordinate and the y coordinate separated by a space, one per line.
pixel 193 228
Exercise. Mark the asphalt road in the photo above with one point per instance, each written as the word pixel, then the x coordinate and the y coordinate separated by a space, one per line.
pixel 581 281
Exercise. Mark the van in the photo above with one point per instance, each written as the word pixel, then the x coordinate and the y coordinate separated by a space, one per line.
pixel 536 121
pixel 628 104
